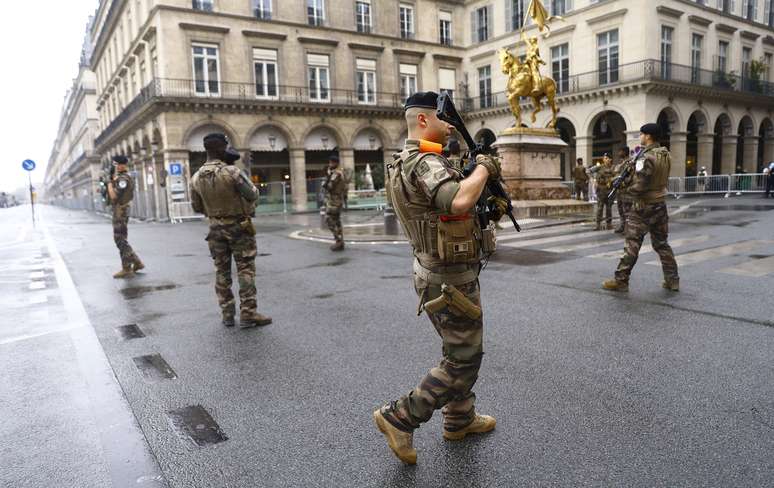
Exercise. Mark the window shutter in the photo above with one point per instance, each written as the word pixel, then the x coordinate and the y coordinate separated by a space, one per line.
pixel 508 15
pixel 489 21
pixel 473 27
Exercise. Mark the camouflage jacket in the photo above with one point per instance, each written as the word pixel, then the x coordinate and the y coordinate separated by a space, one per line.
pixel 335 187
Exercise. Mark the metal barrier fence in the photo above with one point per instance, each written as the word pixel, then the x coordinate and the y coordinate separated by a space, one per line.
pixel 718 184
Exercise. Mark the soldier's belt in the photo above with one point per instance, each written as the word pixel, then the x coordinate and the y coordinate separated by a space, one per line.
pixel 452 275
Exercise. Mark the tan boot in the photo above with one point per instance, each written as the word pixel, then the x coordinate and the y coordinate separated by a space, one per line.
pixel 401 443
pixel 137 264
pixel 615 285
pixel 671 285
pixel 481 424
pixel 254 320
pixel 124 273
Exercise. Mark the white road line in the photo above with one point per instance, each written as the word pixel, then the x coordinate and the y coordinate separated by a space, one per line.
pixel 755 268
pixel 27 337
pixel 647 248
pixel 586 245
pixel 531 234
pixel 550 240
pixel 715 252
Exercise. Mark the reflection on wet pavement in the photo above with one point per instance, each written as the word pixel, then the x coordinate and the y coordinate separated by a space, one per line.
pixel 134 292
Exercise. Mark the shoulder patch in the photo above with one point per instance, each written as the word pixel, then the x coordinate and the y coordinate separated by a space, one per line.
pixel 122 184
pixel 423 168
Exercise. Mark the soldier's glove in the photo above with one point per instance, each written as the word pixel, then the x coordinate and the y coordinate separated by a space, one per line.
pixel 491 164
pixel 498 207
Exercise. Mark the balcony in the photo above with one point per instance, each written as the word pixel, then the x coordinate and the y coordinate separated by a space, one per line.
pixel 282 97
pixel 647 71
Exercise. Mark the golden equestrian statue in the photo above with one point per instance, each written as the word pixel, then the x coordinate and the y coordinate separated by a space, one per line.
pixel 524 78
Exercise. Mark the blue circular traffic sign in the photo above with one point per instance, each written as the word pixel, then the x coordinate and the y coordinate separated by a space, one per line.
pixel 28 165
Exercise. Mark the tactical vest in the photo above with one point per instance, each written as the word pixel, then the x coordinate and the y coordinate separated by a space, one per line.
pixel 656 191
pixel 215 183
pixel 335 188
pixel 125 194
pixel 438 239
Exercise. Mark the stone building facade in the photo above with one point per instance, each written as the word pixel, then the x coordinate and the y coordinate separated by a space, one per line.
pixel 290 80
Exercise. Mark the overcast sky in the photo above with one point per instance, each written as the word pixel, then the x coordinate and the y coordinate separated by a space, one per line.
pixel 42 45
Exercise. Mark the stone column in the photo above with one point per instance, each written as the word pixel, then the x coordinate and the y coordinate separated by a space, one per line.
pixel 583 149
pixel 704 145
pixel 347 162
pixel 678 143
pixel 750 155
pixel 298 179
pixel 728 154
pixel 768 150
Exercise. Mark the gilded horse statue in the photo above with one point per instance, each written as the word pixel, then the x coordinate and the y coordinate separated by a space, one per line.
pixel 521 83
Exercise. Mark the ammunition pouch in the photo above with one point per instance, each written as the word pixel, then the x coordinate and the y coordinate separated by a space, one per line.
pixel 458 239
pixel 488 240
pixel 247 226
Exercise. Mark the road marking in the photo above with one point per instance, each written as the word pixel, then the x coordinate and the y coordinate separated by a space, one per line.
pixel 715 252
pixel 587 245
pixel 550 240
pixel 529 234
pixel 27 337
pixel 647 248
pixel 753 269
pixel 37 285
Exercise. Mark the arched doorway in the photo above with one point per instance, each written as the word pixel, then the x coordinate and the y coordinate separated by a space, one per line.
pixel 696 125
pixel 270 164
pixel 567 134
pixel 369 165
pixel 195 145
pixel 608 134
pixel 765 146
pixel 485 137
pixel 722 128
pixel 743 145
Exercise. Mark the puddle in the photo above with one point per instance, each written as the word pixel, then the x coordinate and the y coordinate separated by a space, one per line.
pixel 760 256
pixel 263 254
pixel 134 292
pixel 323 296
pixel 196 423
pixel 154 367
pixel 395 277
pixel 331 264
pixel 184 255
pixel 129 332
pixel 529 257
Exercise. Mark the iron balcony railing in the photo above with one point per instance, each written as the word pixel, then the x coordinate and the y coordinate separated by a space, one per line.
pixel 646 70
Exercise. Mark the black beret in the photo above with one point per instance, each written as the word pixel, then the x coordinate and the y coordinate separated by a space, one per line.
pixel 333 157
pixel 120 159
pixel 216 136
pixel 651 129
pixel 232 155
pixel 428 99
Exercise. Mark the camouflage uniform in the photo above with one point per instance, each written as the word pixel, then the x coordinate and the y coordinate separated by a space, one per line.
pixel 421 188
pixel 335 193
pixel 622 198
pixel 581 179
pixel 124 188
pixel 605 177
pixel 647 189
pixel 225 195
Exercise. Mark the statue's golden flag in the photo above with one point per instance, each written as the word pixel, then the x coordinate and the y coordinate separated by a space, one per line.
pixel 539 15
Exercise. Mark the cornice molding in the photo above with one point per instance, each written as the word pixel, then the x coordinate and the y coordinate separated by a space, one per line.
pixel 669 12
pixel 608 16
pixel 264 35
pixel 204 28
pixel 318 40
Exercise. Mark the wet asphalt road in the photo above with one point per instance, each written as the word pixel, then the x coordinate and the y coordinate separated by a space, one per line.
pixel 589 388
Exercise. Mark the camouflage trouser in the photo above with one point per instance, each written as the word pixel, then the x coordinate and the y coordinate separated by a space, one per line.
pixel 604 204
pixel 232 240
pixel 333 221
pixel 449 384
pixel 654 219
pixel 121 235
pixel 582 190
pixel 624 208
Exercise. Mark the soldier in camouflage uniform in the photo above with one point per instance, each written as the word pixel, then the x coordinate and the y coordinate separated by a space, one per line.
pixel 435 207
pixel 605 177
pixel 121 193
pixel 581 180
pixel 227 197
pixel 335 187
pixel 622 198
pixel 647 189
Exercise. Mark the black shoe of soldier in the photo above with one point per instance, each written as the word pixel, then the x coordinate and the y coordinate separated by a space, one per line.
pixel 228 321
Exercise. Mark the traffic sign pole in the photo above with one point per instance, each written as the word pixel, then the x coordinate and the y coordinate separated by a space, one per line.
pixel 32 199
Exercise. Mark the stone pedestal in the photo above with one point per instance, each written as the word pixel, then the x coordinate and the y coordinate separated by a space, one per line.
pixel 531 163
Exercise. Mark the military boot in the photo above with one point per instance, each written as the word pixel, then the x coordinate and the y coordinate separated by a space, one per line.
pixel 254 320
pixel 124 273
pixel 481 424
pixel 137 264
pixel 671 284
pixel 401 443
pixel 339 246
pixel 228 320
pixel 615 285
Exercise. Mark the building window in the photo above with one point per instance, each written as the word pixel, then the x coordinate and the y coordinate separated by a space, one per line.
pixel 265 69
pixel 750 9
pixel 514 15
pixel 727 6
pixel 315 12
pixel 560 67
pixel 206 70
pixel 485 87
pixel 205 5
pixel 560 7
pixel 666 51
pixel 408 80
pixel 447 80
pixel 319 77
pixel 363 15
pixel 366 80
pixel 767 60
pixel 607 55
pixel 746 59
pixel 696 42
pixel 262 9
pixel 406 21
pixel 445 27
pixel 722 62
pixel 480 21
pixel 768 12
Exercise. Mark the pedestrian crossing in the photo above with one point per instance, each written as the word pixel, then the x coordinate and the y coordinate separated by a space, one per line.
pixel 689 250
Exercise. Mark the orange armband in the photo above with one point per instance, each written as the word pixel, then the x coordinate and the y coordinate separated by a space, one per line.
pixel 430 147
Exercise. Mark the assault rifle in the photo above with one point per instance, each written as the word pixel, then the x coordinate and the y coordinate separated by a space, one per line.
pixel 624 174
pixel 107 177
pixel 448 113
